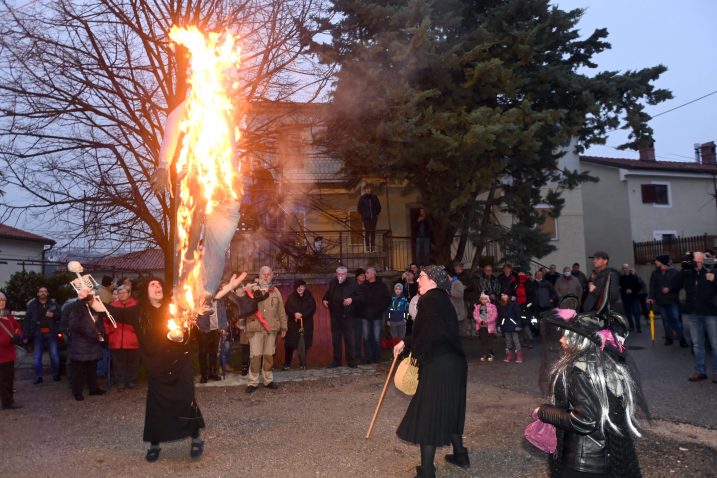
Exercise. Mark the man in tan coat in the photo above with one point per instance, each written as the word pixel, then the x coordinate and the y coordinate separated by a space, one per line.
pixel 261 329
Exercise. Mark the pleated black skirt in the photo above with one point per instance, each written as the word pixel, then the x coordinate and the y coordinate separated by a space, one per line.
pixel 438 409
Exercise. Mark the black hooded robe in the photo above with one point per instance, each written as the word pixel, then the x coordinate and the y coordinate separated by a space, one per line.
pixel 172 412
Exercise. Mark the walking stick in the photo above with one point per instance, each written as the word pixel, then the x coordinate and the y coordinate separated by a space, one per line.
pixel 380 400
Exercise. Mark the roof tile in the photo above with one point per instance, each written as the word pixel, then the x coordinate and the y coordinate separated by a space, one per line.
pixel 7 232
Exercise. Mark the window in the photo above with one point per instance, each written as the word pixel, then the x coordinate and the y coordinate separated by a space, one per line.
pixel 664 235
pixel 657 194
pixel 550 225
pixel 291 147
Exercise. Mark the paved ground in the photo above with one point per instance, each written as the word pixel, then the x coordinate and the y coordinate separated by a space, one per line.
pixel 314 426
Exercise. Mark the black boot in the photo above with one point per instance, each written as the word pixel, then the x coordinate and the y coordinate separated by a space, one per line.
pixel 425 472
pixel 459 459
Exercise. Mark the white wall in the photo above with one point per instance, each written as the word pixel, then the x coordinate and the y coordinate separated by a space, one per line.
pixel 13 251
pixel 692 211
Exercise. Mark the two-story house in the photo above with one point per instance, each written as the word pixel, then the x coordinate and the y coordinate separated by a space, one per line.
pixel 644 200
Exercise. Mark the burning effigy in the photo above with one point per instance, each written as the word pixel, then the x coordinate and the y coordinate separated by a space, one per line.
pixel 204 127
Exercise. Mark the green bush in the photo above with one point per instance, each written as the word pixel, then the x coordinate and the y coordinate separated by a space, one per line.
pixel 22 287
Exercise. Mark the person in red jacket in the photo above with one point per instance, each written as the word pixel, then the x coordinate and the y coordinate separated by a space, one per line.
pixel 123 343
pixel 10 334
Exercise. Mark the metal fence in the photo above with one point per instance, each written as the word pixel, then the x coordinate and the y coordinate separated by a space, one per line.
pixel 314 251
pixel 645 252
pixel 324 250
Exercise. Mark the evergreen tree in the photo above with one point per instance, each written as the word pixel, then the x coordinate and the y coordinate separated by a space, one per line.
pixel 473 103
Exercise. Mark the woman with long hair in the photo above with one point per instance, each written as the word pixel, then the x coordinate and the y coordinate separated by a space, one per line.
pixel 595 395
pixel 172 412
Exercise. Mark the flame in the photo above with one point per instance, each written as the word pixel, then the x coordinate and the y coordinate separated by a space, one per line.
pixel 206 169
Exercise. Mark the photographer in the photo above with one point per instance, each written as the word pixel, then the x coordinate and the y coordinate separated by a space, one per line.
pixel 698 280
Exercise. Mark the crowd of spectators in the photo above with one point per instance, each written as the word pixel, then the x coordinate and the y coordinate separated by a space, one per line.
pixel 368 315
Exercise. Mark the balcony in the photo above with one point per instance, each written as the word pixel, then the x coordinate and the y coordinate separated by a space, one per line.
pixel 317 251
pixel 321 251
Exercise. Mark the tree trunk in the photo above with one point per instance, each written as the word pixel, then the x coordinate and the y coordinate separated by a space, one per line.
pixel 485 218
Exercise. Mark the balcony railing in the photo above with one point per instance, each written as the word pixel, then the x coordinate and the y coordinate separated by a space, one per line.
pixel 324 250
pixel 645 252
pixel 314 251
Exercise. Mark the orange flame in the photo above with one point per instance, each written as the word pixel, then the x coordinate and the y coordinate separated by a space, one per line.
pixel 206 169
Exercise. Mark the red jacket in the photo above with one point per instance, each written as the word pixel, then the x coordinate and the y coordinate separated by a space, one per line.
pixel 7 348
pixel 521 295
pixel 124 336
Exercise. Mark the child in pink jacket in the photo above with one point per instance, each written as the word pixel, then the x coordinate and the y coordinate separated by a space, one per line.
pixel 485 315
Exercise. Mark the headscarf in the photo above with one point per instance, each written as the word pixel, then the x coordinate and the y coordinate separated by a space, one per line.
pixel 438 275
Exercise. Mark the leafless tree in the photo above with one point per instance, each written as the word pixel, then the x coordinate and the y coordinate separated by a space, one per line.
pixel 85 87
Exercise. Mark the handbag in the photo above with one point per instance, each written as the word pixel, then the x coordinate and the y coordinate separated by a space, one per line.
pixel 541 435
pixel 406 378
pixel 244 305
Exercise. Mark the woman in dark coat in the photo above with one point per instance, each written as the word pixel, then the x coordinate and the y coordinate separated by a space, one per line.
pixel 436 414
pixel 172 412
pixel 85 349
pixel 299 305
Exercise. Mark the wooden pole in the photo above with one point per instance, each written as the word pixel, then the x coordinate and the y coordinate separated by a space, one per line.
pixel 380 400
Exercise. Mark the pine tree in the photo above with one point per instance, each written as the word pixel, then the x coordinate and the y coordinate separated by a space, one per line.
pixel 472 103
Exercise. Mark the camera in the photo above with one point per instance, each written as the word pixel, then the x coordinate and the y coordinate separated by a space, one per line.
pixel 689 263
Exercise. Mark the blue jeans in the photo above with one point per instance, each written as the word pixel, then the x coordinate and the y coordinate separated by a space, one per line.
pixel 423 249
pixel 219 228
pixel 670 314
pixel 225 352
pixel 49 341
pixel 699 324
pixel 371 337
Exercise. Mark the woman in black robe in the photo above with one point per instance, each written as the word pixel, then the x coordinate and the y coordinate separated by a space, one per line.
pixel 172 412
pixel 436 414
pixel 299 304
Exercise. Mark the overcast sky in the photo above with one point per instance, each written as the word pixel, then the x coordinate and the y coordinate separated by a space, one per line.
pixel 643 33
pixel 681 36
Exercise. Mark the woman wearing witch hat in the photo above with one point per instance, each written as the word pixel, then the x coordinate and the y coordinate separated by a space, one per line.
pixel 595 393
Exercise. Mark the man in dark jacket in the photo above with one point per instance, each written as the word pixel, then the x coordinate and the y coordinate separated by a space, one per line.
pixel 664 291
pixel 376 299
pixel 545 296
pixel 508 281
pixel 596 288
pixel 41 325
pixel 701 305
pixel 488 284
pixel 341 299
pixel 369 207
pixel 630 288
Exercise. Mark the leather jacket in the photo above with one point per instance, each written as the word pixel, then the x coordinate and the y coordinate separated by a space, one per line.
pixel 577 414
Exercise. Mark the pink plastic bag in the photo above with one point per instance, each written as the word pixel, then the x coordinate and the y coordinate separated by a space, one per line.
pixel 541 435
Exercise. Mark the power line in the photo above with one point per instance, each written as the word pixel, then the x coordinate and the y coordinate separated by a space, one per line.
pixel 685 104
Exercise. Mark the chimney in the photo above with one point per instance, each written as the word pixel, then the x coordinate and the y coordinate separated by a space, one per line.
pixel 707 153
pixel 647 152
